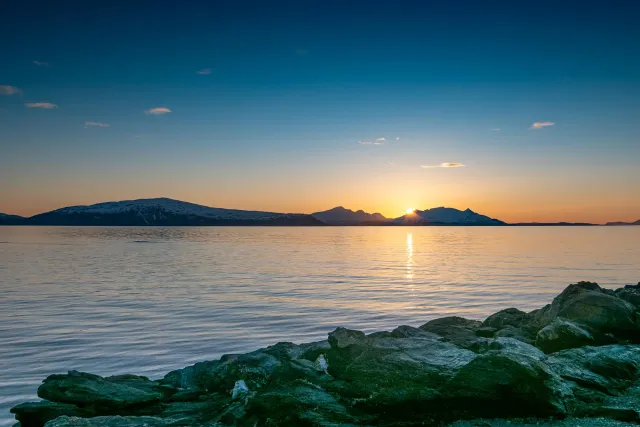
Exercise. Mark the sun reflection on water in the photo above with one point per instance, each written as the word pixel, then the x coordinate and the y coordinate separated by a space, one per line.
pixel 409 269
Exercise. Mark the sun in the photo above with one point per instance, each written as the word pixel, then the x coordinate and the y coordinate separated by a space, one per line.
pixel 410 211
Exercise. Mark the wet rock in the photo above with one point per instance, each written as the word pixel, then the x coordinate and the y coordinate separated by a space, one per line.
pixel 561 334
pixel 486 332
pixel 571 422
pixel 36 414
pixel 89 390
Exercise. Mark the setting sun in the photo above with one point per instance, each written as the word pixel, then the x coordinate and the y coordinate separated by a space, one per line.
pixel 410 211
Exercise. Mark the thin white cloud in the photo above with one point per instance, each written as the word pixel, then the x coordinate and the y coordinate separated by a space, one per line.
pixel 96 124
pixel 157 111
pixel 45 105
pixel 397 138
pixel 9 90
pixel 496 129
pixel 540 125
pixel 365 142
pixel 381 139
pixel 204 71
pixel 444 165
pixel 41 63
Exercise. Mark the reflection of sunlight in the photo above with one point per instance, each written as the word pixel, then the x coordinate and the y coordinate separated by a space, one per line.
pixel 409 274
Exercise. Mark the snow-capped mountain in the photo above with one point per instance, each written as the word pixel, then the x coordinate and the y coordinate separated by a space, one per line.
pixel 342 216
pixel 164 211
pixel 446 216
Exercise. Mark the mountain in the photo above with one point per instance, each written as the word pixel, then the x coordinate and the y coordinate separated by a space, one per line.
pixel 624 223
pixel 164 212
pixel 446 216
pixel 342 216
pixel 6 219
pixel 552 224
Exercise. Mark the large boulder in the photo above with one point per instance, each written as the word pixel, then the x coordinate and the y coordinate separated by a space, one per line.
pixel 36 414
pixel 561 334
pixel 111 393
pixel 392 373
pixel 515 382
pixel 586 304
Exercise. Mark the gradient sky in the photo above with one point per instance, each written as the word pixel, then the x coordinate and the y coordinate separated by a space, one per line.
pixel 270 102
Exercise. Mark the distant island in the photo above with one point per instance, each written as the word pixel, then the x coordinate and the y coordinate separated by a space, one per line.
pixel 169 212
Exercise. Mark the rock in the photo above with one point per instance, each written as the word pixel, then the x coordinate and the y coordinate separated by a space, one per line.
pixel 113 421
pixel 608 369
pixel 516 333
pixel 561 334
pixel 512 345
pixel 584 303
pixel 301 404
pixel 486 332
pixel 511 383
pixel 509 317
pixel 92 390
pixel 460 331
pixel 571 422
pixel 36 414
pixel 240 388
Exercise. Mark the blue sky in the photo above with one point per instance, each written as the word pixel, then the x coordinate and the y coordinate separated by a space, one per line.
pixel 269 103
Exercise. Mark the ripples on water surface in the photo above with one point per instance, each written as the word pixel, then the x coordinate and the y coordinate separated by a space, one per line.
pixel 147 300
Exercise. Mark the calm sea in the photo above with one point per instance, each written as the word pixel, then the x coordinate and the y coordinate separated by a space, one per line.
pixel 114 300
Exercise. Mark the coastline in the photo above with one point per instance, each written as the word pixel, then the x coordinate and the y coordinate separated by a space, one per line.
pixel 577 357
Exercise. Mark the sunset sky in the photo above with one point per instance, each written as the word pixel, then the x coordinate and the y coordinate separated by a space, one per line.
pixel 523 112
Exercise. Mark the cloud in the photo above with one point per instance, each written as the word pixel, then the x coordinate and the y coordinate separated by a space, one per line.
pixel 204 71
pixel 496 129
pixel 540 125
pixel 302 52
pixel 157 111
pixel 96 124
pixel 381 139
pixel 365 142
pixel 41 64
pixel 9 90
pixel 443 165
pixel 397 138
pixel 45 105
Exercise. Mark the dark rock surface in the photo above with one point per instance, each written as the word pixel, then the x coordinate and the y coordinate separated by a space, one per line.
pixel 575 362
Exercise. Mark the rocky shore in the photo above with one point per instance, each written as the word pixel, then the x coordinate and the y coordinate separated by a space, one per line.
pixel 574 362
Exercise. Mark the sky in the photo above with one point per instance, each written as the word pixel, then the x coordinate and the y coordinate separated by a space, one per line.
pixel 523 111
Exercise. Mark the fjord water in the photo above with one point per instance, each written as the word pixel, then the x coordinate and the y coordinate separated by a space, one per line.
pixel 112 300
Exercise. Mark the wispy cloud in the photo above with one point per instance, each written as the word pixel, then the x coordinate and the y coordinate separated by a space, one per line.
pixel 157 111
pixel 204 71
pixel 9 90
pixel 397 138
pixel 443 165
pixel 302 52
pixel 45 105
pixel 96 124
pixel 365 142
pixel 496 129
pixel 540 125
pixel 381 139
pixel 41 63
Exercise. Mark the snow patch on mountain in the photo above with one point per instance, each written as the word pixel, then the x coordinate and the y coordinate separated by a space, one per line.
pixel 155 208
pixel 443 215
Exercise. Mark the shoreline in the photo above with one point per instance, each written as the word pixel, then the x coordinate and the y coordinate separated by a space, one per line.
pixel 574 358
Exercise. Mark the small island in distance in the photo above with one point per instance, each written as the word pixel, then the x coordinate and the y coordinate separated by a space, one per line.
pixel 170 212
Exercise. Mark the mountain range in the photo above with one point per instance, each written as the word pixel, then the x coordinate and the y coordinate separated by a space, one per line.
pixel 170 212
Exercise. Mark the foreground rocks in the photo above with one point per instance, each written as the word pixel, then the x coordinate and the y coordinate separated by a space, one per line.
pixel 575 362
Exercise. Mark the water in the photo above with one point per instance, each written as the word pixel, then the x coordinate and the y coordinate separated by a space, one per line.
pixel 112 300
